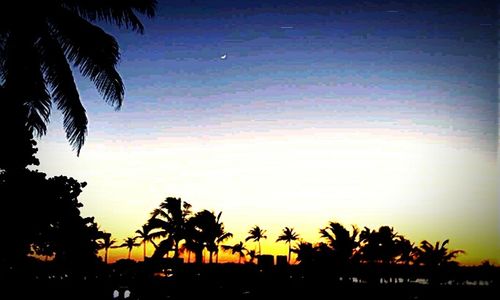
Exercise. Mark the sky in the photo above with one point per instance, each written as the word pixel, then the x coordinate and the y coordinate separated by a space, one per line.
pixel 363 112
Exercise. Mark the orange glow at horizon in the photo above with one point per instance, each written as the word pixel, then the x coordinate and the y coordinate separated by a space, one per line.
pixel 425 187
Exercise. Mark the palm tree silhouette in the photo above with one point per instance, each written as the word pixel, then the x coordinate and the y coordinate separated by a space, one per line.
pixel 201 233
pixel 256 234
pixel 380 246
pixel 340 240
pixel 288 236
pixel 406 250
pixel 37 57
pixel 305 252
pixel 252 255
pixel 189 247
pixel 236 249
pixel 106 243
pixel 145 235
pixel 130 244
pixel 437 255
pixel 221 235
pixel 170 220
pixel 436 258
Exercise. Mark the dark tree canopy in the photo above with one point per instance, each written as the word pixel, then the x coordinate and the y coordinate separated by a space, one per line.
pixel 40 42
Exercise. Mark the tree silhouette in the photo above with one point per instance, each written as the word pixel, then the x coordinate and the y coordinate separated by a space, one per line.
pixel 436 259
pixel 189 247
pixel 51 222
pixel 256 234
pixel 340 240
pixel 288 236
pixel 437 255
pixel 201 233
pixel 130 244
pixel 221 235
pixel 406 249
pixel 36 58
pixel 305 252
pixel 236 249
pixel 220 239
pixel 105 243
pixel 170 221
pixel 145 235
pixel 15 133
pixel 252 255
pixel 379 246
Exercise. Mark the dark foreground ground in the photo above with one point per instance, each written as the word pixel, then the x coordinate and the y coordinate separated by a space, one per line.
pixel 230 282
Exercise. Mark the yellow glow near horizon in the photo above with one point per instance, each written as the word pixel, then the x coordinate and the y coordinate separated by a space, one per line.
pixel 423 186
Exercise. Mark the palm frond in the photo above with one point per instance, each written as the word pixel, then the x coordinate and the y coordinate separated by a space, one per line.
pixel 64 91
pixel 25 82
pixel 93 51
pixel 224 236
pixel 119 12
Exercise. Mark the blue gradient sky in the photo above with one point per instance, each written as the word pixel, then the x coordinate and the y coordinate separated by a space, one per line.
pixel 346 74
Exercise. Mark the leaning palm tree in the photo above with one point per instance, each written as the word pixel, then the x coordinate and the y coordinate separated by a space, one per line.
pixel 288 236
pixel 130 244
pixel 105 243
pixel 145 235
pixel 220 235
pixel 236 249
pixel 256 234
pixel 37 58
pixel 221 238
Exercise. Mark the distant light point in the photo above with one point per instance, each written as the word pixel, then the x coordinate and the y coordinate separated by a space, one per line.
pixel 223 57
pixel 286 27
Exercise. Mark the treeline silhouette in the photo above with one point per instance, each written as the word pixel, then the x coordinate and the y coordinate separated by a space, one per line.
pixel 383 254
pixel 50 251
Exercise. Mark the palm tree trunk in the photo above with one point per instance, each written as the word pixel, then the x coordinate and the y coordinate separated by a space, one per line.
pixel 217 255
pixel 129 250
pixel 260 253
pixel 144 250
pixel 210 260
pixel 189 256
pixel 176 249
pixel 106 256
pixel 289 252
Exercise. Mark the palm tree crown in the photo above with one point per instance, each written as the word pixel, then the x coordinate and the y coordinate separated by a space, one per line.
pixel 340 240
pixel 146 236
pixel 130 244
pixel 170 221
pixel 437 255
pixel 105 243
pixel 236 249
pixel 288 235
pixel 36 57
pixel 256 234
